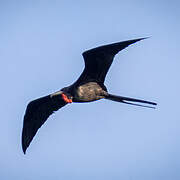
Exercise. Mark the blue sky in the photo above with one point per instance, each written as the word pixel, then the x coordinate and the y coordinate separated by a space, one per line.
pixel 40 50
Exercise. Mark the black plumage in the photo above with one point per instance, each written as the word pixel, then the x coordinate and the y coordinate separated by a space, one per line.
pixel 36 114
pixel 88 87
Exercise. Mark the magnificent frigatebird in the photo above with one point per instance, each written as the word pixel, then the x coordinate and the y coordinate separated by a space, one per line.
pixel 88 87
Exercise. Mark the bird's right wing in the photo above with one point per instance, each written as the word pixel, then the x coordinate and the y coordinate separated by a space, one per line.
pixel 98 61
pixel 36 114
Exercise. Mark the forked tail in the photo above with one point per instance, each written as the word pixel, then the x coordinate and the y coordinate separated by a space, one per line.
pixel 128 100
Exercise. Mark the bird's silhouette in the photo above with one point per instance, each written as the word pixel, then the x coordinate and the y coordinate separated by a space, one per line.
pixel 88 87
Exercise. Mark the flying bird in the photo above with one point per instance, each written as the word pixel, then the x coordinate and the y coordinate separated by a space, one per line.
pixel 87 88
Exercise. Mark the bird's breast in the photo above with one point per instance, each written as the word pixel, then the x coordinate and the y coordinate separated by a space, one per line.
pixel 91 91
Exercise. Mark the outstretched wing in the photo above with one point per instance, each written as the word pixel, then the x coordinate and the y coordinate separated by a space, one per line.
pixel 36 114
pixel 99 60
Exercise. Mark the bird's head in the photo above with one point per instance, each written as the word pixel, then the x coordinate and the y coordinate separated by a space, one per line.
pixel 65 94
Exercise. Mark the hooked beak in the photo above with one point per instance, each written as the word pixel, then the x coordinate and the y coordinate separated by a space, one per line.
pixel 56 93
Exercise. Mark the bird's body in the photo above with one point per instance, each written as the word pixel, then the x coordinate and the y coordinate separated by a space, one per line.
pixel 88 87
pixel 88 92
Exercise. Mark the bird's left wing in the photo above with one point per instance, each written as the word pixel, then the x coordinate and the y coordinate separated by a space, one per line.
pixel 36 114
pixel 98 61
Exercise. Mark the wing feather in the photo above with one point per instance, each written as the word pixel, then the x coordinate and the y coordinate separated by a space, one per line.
pixel 99 60
pixel 36 114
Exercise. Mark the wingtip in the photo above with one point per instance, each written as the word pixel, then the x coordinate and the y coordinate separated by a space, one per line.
pixel 132 41
pixel 146 37
pixel 24 143
pixel 139 39
pixel 24 149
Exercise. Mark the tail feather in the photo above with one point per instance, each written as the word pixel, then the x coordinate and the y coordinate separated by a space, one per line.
pixel 128 100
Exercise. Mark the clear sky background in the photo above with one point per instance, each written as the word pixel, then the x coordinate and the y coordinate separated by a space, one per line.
pixel 40 52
